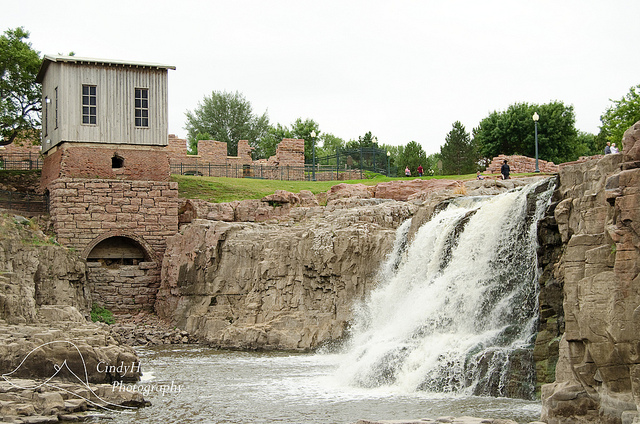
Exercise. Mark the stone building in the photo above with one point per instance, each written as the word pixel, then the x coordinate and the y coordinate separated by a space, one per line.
pixel 212 160
pixel 106 170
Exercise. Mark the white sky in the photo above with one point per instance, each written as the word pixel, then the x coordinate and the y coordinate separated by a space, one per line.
pixel 403 69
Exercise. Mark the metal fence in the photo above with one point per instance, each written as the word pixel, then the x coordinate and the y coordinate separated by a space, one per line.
pixel 268 172
pixel 346 164
pixel 20 161
pixel 24 203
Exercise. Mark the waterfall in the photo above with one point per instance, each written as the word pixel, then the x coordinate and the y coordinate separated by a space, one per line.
pixel 456 310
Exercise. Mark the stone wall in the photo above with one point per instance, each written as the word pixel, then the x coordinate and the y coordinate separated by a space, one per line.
pixel 86 160
pixel 520 164
pixel 212 160
pixel 598 220
pixel 86 212
pixel 24 148
pixel 126 288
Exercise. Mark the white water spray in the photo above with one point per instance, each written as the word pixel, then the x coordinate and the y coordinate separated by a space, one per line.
pixel 457 309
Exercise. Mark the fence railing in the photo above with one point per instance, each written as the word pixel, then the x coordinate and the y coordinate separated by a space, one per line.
pixel 28 204
pixel 20 161
pixel 268 172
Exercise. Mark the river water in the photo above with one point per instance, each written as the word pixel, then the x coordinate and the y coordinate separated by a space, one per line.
pixel 250 387
pixel 451 322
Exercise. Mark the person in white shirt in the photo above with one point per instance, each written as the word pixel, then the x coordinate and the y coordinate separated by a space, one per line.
pixel 614 149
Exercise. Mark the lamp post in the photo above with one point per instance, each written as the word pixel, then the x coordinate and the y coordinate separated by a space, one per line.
pixel 313 144
pixel 375 143
pixel 535 120
pixel 388 168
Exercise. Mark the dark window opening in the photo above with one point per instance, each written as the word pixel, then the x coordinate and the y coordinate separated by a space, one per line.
pixel 89 105
pixel 116 251
pixel 142 107
pixel 117 161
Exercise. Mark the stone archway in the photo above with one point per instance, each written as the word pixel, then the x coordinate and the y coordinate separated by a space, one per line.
pixel 123 272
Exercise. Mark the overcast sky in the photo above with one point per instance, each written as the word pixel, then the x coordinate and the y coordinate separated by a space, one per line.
pixel 404 70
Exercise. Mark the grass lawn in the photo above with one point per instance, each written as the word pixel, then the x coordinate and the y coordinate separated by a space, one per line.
pixel 220 189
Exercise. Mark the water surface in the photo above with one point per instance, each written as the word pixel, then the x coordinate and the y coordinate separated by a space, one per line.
pixel 277 387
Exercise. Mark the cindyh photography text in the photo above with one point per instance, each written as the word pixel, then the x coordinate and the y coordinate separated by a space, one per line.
pixel 146 389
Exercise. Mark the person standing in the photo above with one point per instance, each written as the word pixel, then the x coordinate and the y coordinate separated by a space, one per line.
pixel 407 171
pixel 607 148
pixel 505 170
pixel 614 149
pixel 420 170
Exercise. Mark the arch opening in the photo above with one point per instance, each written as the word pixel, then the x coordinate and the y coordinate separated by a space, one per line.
pixel 118 250
pixel 117 161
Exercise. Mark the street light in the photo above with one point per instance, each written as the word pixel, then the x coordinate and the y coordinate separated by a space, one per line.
pixel 375 143
pixel 313 143
pixel 535 120
pixel 388 169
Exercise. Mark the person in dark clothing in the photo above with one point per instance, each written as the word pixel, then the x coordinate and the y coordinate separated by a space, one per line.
pixel 607 148
pixel 420 170
pixel 504 170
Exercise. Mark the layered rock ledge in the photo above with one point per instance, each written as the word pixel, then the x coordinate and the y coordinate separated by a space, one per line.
pixel 597 214
pixel 292 280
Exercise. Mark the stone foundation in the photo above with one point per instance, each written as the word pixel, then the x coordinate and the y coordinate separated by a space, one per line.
pixel 121 228
pixel 124 288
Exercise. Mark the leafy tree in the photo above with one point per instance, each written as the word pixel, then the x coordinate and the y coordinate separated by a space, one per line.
pixel 512 132
pixel 588 144
pixel 192 148
pixel 330 143
pixel 267 145
pixel 20 95
pixel 411 155
pixel 620 116
pixel 458 154
pixel 434 164
pixel 302 130
pixel 227 117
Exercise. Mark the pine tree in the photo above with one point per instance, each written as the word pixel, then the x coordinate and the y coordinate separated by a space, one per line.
pixel 458 152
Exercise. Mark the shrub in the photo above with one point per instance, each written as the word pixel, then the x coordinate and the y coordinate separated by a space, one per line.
pixel 102 314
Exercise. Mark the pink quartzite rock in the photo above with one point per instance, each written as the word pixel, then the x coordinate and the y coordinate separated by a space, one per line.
pixel 631 143
pixel 340 191
pixel 403 190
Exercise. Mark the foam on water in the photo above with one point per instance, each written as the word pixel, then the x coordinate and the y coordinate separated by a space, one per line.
pixel 457 305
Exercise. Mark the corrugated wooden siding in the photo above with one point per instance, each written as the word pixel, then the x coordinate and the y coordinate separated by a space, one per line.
pixel 115 86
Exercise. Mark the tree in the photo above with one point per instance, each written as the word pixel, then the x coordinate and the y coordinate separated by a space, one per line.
pixel 620 116
pixel 411 155
pixel 20 95
pixel 227 117
pixel 434 164
pixel 192 148
pixel 268 144
pixel 302 130
pixel 458 154
pixel 512 132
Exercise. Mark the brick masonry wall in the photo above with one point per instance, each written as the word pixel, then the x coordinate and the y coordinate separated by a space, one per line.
pixel 289 152
pixel 519 164
pixel 25 148
pixel 86 211
pixel 85 160
pixel 83 210
pixel 126 289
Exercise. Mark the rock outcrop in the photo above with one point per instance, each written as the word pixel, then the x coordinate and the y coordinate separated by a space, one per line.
pixel 597 213
pixel 44 306
pixel 291 282
pixel 289 285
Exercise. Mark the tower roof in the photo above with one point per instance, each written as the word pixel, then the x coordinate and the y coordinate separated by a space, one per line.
pixel 48 59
